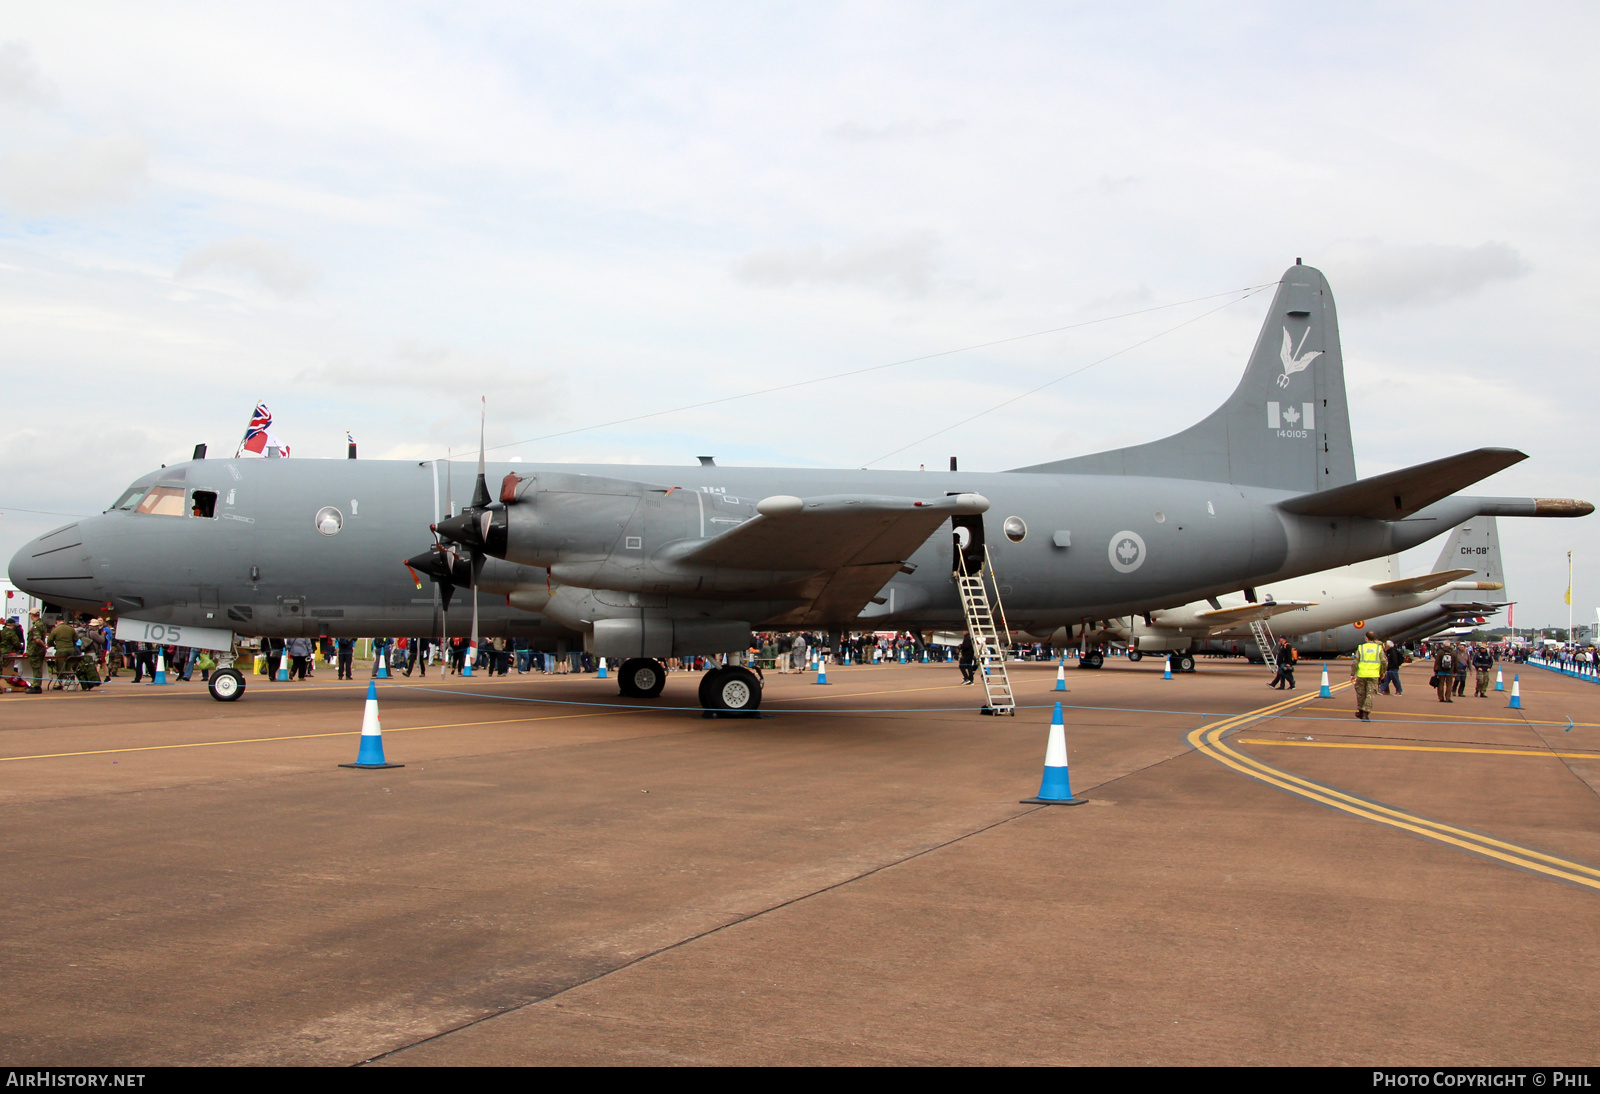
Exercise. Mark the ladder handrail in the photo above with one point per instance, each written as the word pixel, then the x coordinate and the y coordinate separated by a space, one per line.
pixel 1265 642
pixel 989 647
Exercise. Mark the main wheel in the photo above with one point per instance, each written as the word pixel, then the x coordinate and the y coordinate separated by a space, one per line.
pixel 1135 655
pixel 642 677
pixel 734 689
pixel 1092 661
pixel 1183 662
pixel 226 685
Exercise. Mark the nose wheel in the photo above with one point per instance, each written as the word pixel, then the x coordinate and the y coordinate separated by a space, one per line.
pixel 641 678
pixel 226 685
pixel 730 692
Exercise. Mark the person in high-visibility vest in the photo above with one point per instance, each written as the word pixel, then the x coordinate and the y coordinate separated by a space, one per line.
pixel 1367 670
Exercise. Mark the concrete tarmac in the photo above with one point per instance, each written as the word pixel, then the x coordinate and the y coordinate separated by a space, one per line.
pixel 561 876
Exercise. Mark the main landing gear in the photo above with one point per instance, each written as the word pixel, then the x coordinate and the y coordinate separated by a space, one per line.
pixel 641 678
pixel 730 692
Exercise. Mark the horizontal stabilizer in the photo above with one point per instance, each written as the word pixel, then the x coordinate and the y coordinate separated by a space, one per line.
pixel 1420 584
pixel 1397 494
pixel 1250 613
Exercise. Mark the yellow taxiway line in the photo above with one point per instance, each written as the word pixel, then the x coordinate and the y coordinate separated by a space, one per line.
pixel 1422 748
pixel 297 737
pixel 1208 739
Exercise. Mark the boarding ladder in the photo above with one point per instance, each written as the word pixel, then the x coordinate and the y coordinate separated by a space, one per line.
pixel 1267 644
pixel 987 641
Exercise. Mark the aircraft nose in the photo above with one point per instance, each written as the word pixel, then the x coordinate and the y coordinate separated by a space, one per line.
pixel 57 568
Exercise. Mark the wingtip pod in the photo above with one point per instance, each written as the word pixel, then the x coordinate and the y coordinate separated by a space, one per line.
pixel 1561 507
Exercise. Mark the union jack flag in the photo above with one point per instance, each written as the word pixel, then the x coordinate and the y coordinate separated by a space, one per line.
pixel 257 436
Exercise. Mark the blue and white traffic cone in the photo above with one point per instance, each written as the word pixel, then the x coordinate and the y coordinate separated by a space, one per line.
pixel 161 669
pixel 601 673
pixel 371 754
pixel 1056 786
pixel 383 664
pixel 283 664
pixel 1499 679
pixel 1326 692
pixel 1061 676
pixel 1167 675
pixel 822 671
pixel 472 658
pixel 924 655
pixel 1516 691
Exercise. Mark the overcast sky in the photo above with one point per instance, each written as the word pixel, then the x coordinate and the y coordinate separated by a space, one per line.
pixel 368 217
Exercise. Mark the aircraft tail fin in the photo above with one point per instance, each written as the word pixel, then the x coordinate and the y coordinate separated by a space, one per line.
pixel 1285 427
pixel 1475 544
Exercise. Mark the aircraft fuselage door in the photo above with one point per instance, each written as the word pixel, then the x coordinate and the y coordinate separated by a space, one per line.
pixel 967 540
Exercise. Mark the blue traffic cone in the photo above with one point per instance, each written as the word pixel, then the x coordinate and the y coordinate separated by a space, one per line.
pixel 924 655
pixel 371 754
pixel 1061 676
pixel 472 658
pixel 161 669
pixel 1516 691
pixel 601 673
pixel 1499 679
pixel 1167 675
pixel 283 664
pixel 822 671
pixel 1326 692
pixel 1056 786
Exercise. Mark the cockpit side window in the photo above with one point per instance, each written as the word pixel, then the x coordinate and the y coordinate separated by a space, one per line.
pixel 163 501
pixel 204 504
pixel 130 497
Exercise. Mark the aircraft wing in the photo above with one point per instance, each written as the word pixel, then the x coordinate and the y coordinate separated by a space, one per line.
pixel 1250 613
pixel 1420 584
pixel 850 544
pixel 1397 494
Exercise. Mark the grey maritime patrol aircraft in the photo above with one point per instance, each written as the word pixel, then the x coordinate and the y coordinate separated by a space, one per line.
pixel 644 563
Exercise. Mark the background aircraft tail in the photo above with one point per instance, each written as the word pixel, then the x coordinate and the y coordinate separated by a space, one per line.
pixel 1285 427
pixel 1474 545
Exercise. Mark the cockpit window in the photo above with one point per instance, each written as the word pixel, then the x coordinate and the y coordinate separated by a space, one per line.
pixel 130 497
pixel 163 501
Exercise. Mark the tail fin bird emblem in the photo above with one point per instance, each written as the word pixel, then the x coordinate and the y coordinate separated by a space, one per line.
pixel 1292 361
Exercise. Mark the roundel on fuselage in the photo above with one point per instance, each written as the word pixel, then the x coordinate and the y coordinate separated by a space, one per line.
pixel 1126 551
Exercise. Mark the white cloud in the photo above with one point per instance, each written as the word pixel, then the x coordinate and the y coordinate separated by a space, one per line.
pixel 856 132
pixel 74 175
pixel 1376 275
pixel 21 81
pixel 458 378
pixel 276 267
pixel 903 265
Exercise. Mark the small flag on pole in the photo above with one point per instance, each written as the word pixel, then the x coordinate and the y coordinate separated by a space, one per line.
pixel 258 437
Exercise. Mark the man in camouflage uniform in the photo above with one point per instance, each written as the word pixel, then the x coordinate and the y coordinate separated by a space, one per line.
pixel 11 647
pixel 65 641
pixel 92 646
pixel 38 639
